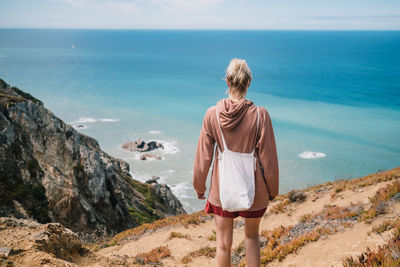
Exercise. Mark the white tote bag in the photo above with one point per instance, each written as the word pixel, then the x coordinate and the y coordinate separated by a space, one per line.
pixel 236 176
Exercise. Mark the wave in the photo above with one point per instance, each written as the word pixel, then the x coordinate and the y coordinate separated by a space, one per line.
pixel 155 132
pixel 92 120
pixel 312 155
pixel 79 126
pixel 169 147
pixel 181 190
pixel 108 120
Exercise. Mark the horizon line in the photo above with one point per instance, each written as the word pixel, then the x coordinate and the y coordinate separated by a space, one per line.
pixel 188 29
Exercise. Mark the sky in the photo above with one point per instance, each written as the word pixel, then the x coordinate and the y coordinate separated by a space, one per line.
pixel 202 14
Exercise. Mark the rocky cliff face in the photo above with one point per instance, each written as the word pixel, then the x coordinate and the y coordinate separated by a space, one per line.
pixel 52 173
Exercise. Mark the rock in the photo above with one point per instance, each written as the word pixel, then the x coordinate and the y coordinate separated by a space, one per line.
pixel 396 197
pixel 296 196
pixel 382 207
pixel 5 252
pixel 52 173
pixel 153 180
pixel 238 223
pixel 315 197
pixel 149 156
pixel 166 201
pixel 141 146
pixel 38 241
pixel 57 240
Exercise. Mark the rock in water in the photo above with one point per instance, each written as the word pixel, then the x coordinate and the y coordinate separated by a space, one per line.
pixel 52 173
pixel 141 146
pixel 149 156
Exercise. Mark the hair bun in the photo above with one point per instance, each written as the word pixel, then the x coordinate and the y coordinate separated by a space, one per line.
pixel 239 76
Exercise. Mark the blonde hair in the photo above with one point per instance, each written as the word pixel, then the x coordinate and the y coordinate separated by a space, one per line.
pixel 239 76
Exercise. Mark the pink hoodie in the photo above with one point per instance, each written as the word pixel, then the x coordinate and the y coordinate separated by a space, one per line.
pixel 238 123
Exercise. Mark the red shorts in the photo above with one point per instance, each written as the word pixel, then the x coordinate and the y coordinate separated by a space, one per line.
pixel 210 208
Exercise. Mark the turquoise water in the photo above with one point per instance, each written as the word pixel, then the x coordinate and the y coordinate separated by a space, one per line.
pixel 333 93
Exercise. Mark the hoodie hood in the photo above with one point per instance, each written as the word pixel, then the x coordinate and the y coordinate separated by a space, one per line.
pixel 231 113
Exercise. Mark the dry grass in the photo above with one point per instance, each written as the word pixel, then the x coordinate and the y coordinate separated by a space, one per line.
pixel 281 242
pixel 379 201
pixel 280 207
pixel 386 193
pixel 387 255
pixel 385 226
pixel 306 218
pixel 178 235
pixel 213 236
pixel 154 256
pixel 185 220
pixel 204 251
pixel 352 184
pixel 275 250
pixel 332 212
pixel 339 186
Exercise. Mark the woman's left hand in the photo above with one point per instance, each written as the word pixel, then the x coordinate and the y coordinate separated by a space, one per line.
pixel 200 196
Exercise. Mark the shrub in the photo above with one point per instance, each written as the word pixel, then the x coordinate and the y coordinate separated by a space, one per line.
pixel 204 251
pixel 154 256
pixel 178 235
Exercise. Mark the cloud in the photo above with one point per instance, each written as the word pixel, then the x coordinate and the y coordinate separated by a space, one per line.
pixel 188 5
pixel 117 6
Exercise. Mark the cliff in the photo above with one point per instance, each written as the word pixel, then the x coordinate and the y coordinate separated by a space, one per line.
pixel 49 172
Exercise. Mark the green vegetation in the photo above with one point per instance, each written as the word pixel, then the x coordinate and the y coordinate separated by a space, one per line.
pixel 33 167
pixel 31 196
pixel 26 95
pixel 141 217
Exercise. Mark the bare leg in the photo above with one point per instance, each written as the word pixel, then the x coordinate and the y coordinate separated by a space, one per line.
pixel 224 232
pixel 251 227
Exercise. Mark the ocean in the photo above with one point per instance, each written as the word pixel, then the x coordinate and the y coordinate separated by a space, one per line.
pixel 333 96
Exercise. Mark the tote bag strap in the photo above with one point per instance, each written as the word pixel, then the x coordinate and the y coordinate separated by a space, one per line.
pixel 220 129
pixel 258 118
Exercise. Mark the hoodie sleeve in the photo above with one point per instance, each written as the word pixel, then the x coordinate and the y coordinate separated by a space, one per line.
pixel 204 155
pixel 268 155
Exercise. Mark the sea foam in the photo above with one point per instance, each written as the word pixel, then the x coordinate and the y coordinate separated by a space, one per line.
pixel 182 190
pixel 311 155
pixel 169 147
pixel 92 120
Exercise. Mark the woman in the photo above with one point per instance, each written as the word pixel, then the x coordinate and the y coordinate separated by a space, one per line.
pixel 238 117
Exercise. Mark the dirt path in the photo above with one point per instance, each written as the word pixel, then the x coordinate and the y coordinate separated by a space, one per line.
pixel 324 252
